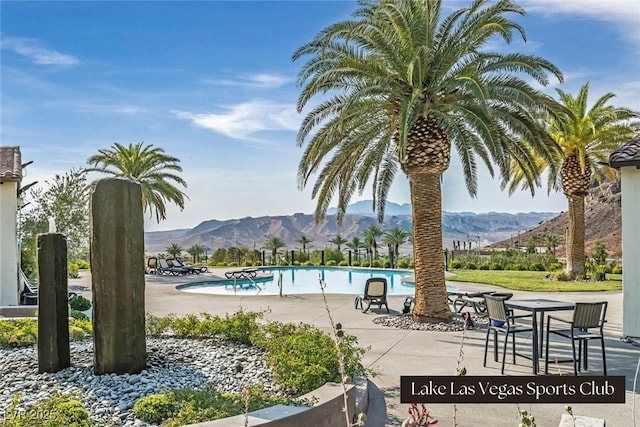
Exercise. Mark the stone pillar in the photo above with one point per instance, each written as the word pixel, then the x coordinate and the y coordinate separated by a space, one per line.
pixel 117 275
pixel 53 304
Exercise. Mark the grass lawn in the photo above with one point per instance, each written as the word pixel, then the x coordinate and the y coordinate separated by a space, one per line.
pixel 534 281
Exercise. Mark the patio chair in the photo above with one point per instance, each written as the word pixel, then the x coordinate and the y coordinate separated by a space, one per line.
pixel 375 293
pixel 475 300
pixel 152 265
pixel 587 324
pixel 502 321
pixel 29 292
pixel 166 268
pixel 191 269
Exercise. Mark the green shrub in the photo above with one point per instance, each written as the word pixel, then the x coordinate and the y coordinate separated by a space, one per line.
pixel 247 264
pixel 308 264
pixel 364 263
pixel 156 408
pixel 616 269
pixel 561 276
pixel 157 325
pixel 18 333
pixel 73 271
pixel 331 263
pixel 84 324
pixel 82 264
pixel 57 410
pixel 515 267
pixel 76 334
pixel 257 263
pixel 242 325
pixel 221 264
pixel 78 315
pixel 376 263
pixel 484 267
pixel 470 266
pixel 554 266
pixel 495 266
pixel 343 263
pixel 455 265
pixel 80 303
pixel 536 267
pixel 402 263
pixel 412 264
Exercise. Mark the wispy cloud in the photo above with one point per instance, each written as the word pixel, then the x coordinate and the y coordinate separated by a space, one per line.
pixel 243 121
pixel 34 51
pixel 260 80
pixel 625 13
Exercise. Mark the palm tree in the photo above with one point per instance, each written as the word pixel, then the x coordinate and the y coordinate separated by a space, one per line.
pixel 355 244
pixel 586 136
pixel 174 250
pixel 551 240
pixel 274 243
pixel 400 84
pixel 304 241
pixel 149 167
pixel 371 235
pixel 338 240
pixel 394 238
pixel 196 252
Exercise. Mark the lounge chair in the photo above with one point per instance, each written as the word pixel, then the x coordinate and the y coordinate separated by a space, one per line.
pixel 29 292
pixel 152 265
pixel 245 273
pixel 166 268
pixel 191 269
pixel 475 300
pixel 375 293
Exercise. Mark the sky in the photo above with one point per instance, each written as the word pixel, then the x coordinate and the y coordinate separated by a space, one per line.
pixel 213 84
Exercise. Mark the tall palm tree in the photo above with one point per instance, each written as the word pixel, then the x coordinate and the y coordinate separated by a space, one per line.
pixel 394 238
pixel 338 240
pixel 371 235
pixel 174 250
pixel 586 136
pixel 400 84
pixel 150 167
pixel 304 241
pixel 355 244
pixel 274 243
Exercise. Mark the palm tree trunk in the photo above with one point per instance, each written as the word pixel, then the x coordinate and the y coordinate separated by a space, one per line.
pixel 575 238
pixel 426 204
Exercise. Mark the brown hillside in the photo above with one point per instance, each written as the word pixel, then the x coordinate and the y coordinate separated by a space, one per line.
pixel 602 223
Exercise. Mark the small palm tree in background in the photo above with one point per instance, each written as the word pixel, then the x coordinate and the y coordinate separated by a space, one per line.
pixel 396 237
pixel 399 85
pixel 150 167
pixel 196 252
pixel 355 245
pixel 174 250
pixel 551 240
pixel 304 241
pixel 338 240
pixel 371 235
pixel 274 243
pixel 586 136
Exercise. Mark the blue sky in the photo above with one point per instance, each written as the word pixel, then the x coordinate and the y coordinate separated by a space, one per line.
pixel 213 84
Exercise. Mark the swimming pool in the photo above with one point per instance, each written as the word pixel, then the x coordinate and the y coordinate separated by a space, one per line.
pixel 305 280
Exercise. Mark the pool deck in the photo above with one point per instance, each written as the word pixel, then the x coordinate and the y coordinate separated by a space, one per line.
pixel 397 352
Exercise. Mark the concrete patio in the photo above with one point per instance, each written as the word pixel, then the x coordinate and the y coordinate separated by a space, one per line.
pixel 397 352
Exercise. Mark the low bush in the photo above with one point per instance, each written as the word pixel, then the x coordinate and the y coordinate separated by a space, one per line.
pixel 402 263
pixel 221 264
pixel 331 263
pixel 156 408
pixel 554 266
pixel 484 267
pixel 536 267
pixel 307 264
pixel 561 276
pixel 76 314
pixel 364 263
pixel 247 264
pixel 80 303
pixel 73 271
pixel 616 269
pixel 470 266
pixel 257 263
pixel 343 263
pixel 18 333
pixel 376 263
pixel 495 266
pixel 56 410
pixel 455 265
pixel 82 264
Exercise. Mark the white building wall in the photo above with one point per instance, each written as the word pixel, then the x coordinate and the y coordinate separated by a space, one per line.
pixel 8 244
pixel 630 251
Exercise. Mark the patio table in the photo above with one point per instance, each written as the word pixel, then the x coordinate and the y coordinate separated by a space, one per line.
pixel 535 307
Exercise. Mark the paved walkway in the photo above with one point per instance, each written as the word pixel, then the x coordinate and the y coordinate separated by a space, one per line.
pixel 397 352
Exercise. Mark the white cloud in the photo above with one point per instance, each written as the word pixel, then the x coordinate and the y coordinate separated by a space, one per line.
pixel 243 121
pixel 32 49
pixel 624 13
pixel 260 80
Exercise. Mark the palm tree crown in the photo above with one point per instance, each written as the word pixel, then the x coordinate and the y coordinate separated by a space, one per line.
pixel 149 167
pixel 405 84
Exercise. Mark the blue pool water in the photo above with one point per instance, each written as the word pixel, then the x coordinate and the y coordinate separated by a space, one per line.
pixel 305 280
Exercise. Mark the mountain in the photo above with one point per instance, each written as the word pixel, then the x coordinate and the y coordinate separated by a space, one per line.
pixel 252 232
pixel 603 222
pixel 365 207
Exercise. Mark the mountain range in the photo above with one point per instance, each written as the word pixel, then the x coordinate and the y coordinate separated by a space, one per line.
pixel 251 232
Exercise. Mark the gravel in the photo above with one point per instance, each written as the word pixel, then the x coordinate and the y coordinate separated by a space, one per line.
pixel 171 363
pixel 405 321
